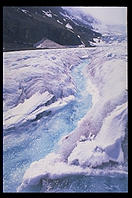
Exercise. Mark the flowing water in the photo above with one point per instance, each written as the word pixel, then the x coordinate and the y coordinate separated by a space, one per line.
pixel 34 140
pixel 83 183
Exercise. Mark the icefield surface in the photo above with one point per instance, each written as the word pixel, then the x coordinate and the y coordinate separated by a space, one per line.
pixel 24 77
pixel 75 101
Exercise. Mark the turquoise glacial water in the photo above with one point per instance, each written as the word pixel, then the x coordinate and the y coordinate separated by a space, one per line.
pixel 34 140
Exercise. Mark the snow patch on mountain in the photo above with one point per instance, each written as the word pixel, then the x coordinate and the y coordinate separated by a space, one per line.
pixel 23 10
pixel 48 14
pixel 59 22
pixel 69 26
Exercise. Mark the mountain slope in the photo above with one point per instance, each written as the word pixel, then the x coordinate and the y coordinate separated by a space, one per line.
pixel 25 26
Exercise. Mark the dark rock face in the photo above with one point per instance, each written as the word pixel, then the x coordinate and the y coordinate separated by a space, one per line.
pixel 24 26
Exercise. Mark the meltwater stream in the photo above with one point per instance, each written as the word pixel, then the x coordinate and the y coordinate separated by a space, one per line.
pixel 34 140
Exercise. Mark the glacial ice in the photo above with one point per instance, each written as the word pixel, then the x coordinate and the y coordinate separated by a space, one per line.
pixel 99 134
pixel 32 107
pixel 23 110
pixel 107 144
pixel 24 77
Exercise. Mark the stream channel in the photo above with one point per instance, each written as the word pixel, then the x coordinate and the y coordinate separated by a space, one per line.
pixel 33 141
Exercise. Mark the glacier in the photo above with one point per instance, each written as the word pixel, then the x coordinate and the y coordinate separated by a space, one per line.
pixel 38 81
